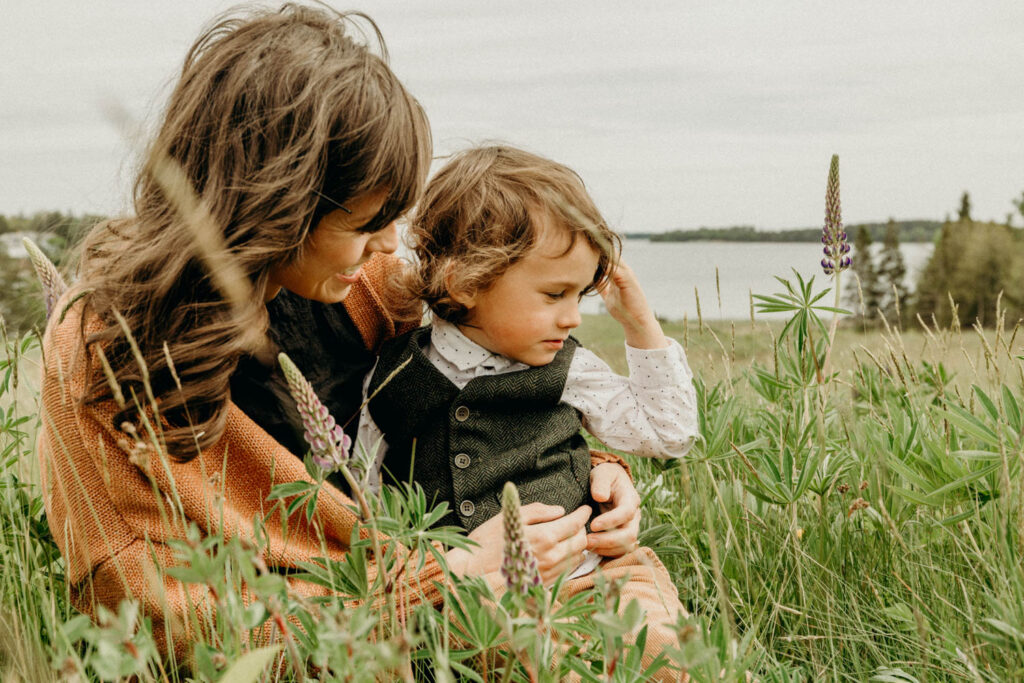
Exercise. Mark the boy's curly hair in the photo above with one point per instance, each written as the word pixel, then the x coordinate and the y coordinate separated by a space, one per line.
pixel 479 216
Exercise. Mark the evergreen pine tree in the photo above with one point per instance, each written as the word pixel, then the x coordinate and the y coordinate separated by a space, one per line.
pixel 868 291
pixel 891 273
pixel 965 208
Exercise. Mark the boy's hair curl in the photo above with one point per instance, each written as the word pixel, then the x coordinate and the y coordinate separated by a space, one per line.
pixel 278 118
pixel 483 211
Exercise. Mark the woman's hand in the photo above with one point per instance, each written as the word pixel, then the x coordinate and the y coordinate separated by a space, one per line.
pixel 627 304
pixel 616 530
pixel 557 540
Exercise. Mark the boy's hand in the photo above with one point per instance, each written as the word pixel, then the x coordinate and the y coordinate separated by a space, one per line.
pixel 627 304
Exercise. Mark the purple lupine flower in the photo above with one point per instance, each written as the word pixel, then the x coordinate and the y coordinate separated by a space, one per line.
pixel 329 444
pixel 51 279
pixel 837 248
pixel 519 566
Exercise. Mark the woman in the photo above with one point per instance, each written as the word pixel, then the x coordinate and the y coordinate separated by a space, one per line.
pixel 286 154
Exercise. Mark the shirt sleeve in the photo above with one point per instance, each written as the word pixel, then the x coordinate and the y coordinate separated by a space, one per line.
pixel 652 413
pixel 370 445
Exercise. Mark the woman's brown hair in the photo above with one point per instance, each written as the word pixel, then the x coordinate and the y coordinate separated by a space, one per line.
pixel 278 118
pixel 480 215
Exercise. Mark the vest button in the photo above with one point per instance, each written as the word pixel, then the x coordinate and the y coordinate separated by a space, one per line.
pixel 462 461
pixel 462 413
pixel 467 508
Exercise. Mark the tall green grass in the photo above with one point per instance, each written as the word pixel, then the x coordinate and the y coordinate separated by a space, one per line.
pixel 865 525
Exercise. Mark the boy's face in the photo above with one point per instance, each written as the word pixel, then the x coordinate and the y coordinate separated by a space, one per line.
pixel 529 311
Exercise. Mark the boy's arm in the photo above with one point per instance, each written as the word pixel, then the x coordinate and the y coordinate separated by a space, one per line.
pixel 627 304
pixel 651 413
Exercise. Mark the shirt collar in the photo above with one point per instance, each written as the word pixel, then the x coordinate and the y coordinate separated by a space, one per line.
pixel 461 351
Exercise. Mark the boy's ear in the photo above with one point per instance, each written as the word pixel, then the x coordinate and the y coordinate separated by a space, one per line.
pixel 456 289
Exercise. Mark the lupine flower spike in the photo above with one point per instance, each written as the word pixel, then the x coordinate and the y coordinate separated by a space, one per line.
pixel 519 566
pixel 51 279
pixel 837 248
pixel 329 444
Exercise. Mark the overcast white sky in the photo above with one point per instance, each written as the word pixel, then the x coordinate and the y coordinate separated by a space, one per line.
pixel 676 114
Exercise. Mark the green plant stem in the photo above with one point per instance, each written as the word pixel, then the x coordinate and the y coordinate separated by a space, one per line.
pixel 367 517
pixel 834 326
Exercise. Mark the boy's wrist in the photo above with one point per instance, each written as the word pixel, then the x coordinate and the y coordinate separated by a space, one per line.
pixel 645 334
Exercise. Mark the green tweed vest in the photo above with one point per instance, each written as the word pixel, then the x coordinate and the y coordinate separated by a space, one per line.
pixel 462 446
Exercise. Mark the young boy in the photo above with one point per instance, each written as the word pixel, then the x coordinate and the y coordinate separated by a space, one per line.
pixel 495 389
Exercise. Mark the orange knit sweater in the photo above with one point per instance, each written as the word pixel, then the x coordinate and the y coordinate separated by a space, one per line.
pixel 113 529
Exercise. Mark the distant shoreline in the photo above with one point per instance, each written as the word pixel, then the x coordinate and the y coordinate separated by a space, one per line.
pixel 918 230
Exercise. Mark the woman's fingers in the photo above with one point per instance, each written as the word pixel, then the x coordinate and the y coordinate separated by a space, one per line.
pixel 536 513
pixel 545 530
pixel 617 541
pixel 556 543
pixel 611 487
pixel 562 557
pixel 616 517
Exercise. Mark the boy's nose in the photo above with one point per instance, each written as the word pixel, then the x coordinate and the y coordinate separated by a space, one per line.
pixel 570 317
pixel 385 240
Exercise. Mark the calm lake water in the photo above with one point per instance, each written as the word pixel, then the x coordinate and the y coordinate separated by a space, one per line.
pixel 670 271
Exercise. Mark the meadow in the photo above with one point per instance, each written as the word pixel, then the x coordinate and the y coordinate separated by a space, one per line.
pixel 853 514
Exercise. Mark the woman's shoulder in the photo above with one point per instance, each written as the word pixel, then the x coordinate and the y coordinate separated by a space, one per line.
pixel 70 323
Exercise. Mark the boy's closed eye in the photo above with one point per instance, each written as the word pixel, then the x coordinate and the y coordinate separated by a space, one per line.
pixel 557 296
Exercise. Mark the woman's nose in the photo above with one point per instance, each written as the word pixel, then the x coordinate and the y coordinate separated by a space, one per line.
pixel 384 240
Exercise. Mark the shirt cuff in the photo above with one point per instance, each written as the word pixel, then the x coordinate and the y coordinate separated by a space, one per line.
pixel 601 457
pixel 656 368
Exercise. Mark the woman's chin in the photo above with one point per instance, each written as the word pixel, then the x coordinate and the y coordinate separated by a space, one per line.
pixel 334 294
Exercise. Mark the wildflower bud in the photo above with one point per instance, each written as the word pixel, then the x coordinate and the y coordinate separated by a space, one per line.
pixel 519 566
pixel 843 489
pixel 833 236
pixel 50 278
pixel 329 445
pixel 863 485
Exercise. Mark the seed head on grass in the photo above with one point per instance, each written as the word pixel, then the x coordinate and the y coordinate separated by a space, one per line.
pixel 328 442
pixel 519 566
pixel 837 248
pixel 51 279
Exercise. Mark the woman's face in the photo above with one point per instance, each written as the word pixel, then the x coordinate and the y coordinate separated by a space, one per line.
pixel 332 259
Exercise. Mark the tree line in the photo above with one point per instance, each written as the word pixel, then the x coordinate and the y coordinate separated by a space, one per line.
pixel 918 230
pixel 974 265
pixel 976 268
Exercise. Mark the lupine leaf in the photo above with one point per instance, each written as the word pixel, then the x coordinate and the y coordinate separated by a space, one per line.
pixel 250 667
